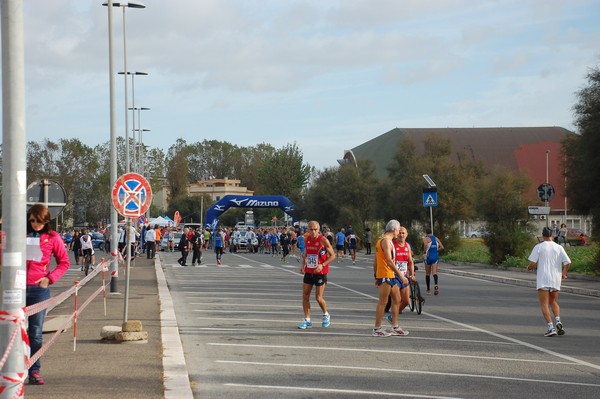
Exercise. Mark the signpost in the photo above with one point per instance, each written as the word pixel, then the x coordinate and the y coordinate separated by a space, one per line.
pixel 131 197
pixel 430 197
pixel 49 193
pixel 545 192
pixel 538 210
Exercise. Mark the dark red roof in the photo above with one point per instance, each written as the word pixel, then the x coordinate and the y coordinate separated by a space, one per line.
pixel 522 149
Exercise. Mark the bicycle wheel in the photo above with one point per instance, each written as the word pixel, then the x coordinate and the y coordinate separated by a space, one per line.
pixel 417 298
pixel 87 265
pixel 411 303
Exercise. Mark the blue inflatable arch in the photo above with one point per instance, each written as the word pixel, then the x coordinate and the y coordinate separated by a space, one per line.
pixel 248 201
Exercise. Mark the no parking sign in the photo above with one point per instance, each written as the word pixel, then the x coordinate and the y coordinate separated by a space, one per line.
pixel 131 195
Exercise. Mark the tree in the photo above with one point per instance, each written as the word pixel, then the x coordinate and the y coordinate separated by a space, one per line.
pixel 402 194
pixel 502 204
pixel 581 153
pixel 342 196
pixel 284 173
pixel 177 169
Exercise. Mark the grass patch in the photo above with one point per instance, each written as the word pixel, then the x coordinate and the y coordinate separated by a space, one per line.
pixel 474 251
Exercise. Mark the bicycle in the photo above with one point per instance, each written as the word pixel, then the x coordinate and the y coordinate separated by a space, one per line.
pixel 416 300
pixel 87 261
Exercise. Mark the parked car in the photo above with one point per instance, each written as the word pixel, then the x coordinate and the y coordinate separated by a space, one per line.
pixel 576 237
pixel 477 233
pixel 176 238
pixel 97 240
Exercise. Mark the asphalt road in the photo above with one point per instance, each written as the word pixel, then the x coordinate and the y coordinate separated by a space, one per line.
pixel 477 339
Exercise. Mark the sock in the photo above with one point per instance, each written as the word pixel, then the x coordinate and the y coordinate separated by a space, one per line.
pixel 307 319
pixel 557 319
pixel 550 326
pixel 428 281
pixel 326 314
pixel 435 279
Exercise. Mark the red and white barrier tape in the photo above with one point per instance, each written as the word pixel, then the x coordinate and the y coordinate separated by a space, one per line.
pixel 16 317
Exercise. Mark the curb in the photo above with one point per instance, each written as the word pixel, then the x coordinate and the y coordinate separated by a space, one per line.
pixel 175 373
pixel 519 282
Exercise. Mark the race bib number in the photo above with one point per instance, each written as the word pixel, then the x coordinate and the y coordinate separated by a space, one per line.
pixel 312 261
pixel 402 266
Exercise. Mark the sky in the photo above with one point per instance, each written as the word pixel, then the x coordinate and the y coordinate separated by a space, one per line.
pixel 327 75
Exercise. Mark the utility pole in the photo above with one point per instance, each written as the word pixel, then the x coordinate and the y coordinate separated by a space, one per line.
pixel 14 281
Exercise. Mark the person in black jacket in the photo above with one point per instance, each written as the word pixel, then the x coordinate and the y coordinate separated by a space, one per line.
pixel 183 247
pixel 196 247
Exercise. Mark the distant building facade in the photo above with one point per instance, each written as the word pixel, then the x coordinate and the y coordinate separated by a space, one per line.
pixel 215 188
pixel 532 151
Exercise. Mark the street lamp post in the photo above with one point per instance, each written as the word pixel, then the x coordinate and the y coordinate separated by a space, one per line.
pixel 547 182
pixel 114 218
pixel 139 110
pixel 124 5
pixel 141 150
pixel 133 110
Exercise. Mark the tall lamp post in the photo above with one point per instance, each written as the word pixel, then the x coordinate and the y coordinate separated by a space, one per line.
pixel 141 149
pixel 113 141
pixel 133 109
pixel 124 5
pixel 139 126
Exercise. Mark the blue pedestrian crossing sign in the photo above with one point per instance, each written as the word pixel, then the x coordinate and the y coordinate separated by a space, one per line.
pixel 430 198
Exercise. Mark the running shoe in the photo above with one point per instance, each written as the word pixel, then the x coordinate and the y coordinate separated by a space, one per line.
pixel 218 261
pixel 436 290
pixel 380 333
pixel 326 320
pixel 35 378
pixel 398 331
pixel 550 333
pixel 559 329
pixel 304 325
pixel 428 292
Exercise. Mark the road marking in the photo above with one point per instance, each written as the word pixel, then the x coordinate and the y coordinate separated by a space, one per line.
pixel 326 348
pixel 497 335
pixel 517 341
pixel 322 331
pixel 346 391
pixel 400 371
pixel 363 325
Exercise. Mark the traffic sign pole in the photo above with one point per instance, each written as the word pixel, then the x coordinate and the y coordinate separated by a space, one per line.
pixel 131 197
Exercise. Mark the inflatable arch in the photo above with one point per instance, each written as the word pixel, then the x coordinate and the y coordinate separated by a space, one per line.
pixel 248 201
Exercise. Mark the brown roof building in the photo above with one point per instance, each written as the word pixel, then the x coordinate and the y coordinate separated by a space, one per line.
pixel 521 149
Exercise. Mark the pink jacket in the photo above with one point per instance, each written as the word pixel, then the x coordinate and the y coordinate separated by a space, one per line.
pixel 50 244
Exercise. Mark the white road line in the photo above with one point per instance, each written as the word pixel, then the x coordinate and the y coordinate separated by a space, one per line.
pixel 497 335
pixel 519 342
pixel 326 348
pixel 400 371
pixel 369 326
pixel 344 391
pixel 252 293
pixel 322 331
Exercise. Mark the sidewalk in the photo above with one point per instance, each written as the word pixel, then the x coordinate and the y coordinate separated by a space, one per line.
pixel 104 369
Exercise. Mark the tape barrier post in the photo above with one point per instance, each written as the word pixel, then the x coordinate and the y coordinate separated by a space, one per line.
pixel 75 316
pixel 104 270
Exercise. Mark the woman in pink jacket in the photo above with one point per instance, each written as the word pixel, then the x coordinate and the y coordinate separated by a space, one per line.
pixel 42 244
